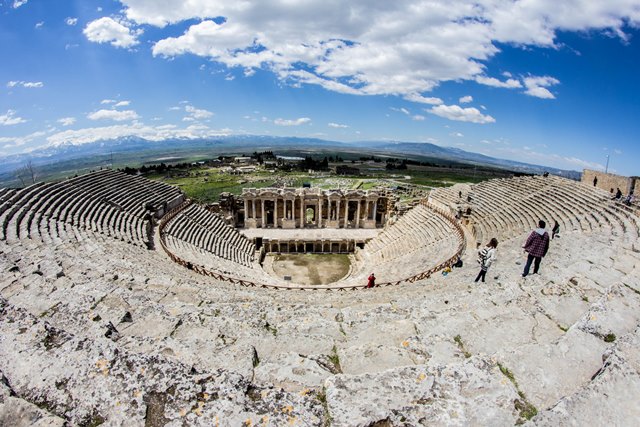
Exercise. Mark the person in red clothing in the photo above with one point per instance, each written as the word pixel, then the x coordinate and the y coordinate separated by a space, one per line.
pixel 371 281
pixel 536 246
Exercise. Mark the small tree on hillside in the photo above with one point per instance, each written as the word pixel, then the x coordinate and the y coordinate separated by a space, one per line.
pixel 26 174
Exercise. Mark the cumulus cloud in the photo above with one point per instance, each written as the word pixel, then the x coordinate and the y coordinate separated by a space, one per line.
pixel 29 85
pixel 386 48
pixel 121 104
pixel 455 112
pixel 296 122
pixel 10 119
pixel 537 86
pixel 116 115
pixel 337 126
pixel 71 21
pixel 18 3
pixel 414 97
pixel 108 30
pixel 196 113
pixel 67 121
pixel 466 99
pixel 493 82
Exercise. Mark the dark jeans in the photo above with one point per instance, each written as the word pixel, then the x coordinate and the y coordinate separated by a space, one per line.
pixel 481 275
pixel 536 264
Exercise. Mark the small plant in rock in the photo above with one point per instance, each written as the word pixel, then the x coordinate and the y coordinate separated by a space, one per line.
pixel 458 340
pixel 271 329
pixel 526 409
pixel 610 337
pixel 335 359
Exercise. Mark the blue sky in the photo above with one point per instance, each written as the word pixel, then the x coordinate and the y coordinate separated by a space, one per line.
pixel 540 81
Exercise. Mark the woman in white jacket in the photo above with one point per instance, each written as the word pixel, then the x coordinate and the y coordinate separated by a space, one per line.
pixel 486 257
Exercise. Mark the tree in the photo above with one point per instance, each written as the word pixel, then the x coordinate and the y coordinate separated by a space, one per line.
pixel 27 174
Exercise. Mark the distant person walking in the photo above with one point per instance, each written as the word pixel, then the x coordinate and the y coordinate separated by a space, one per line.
pixel 536 246
pixel 555 231
pixel 371 281
pixel 595 181
pixel 486 257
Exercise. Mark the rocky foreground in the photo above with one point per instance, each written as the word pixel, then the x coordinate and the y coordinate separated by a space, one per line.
pixel 98 331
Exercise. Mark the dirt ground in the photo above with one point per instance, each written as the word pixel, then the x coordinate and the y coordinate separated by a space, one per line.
pixel 311 269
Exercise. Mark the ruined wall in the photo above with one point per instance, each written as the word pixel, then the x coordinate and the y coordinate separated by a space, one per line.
pixel 608 181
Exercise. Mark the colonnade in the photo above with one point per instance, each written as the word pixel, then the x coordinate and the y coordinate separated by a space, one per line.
pixel 313 208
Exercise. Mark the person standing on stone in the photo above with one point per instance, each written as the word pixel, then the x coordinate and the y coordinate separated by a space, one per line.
pixel 371 281
pixel 595 181
pixel 536 246
pixel 555 231
pixel 486 257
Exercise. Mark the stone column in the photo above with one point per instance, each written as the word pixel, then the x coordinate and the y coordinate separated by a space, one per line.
pixel 253 208
pixel 366 209
pixel 338 212
pixel 346 212
pixel 302 218
pixel 375 209
pixel 319 216
pixel 358 215
pixel 246 209
pixel 275 212
pixel 263 214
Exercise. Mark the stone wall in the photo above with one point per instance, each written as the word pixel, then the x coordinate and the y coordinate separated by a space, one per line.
pixel 608 181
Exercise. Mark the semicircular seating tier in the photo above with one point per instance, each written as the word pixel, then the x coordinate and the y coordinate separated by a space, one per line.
pixel 200 238
pixel 505 208
pixel 419 240
pixel 105 202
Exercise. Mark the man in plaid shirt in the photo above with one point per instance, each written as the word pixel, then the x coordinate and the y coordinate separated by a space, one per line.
pixel 536 246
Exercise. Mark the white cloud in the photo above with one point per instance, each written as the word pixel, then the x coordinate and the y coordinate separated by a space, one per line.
pixel 537 86
pixel 296 122
pixel 71 21
pixel 492 81
pixel 116 115
pixel 18 141
pixel 10 118
pixel 414 97
pixel 108 30
pixel 466 99
pixel 151 133
pixel 67 121
pixel 361 47
pixel 18 3
pixel 196 114
pixel 108 101
pixel 29 85
pixel 121 104
pixel 337 126
pixel 401 110
pixel 39 24
pixel 418 117
pixel 455 112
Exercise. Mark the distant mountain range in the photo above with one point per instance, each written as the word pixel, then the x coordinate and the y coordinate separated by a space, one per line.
pixel 128 147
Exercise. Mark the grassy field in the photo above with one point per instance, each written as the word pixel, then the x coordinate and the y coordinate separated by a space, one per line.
pixel 204 184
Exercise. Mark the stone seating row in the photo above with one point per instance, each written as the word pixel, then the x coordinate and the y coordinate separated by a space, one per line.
pixel 504 208
pixel 203 229
pixel 107 202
